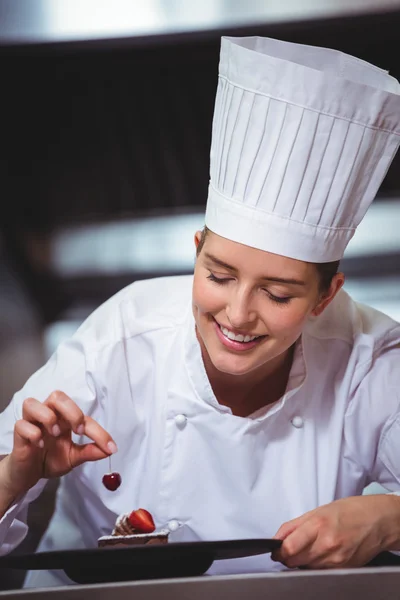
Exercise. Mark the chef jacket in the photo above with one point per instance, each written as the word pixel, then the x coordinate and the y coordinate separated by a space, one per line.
pixel 135 366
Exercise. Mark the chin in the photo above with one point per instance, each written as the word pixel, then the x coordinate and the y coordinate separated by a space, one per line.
pixel 234 372
pixel 232 365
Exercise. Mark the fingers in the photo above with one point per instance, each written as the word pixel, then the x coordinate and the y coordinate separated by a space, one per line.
pixel 36 412
pixel 69 412
pixel 285 530
pixel 295 550
pixel 288 527
pixel 102 439
pixel 81 453
pixel 309 546
pixel 60 414
pixel 28 433
pixel 71 415
pixel 344 533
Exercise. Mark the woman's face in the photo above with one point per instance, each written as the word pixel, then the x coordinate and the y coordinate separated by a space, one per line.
pixel 249 305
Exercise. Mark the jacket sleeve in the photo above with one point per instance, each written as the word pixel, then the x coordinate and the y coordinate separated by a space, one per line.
pixel 71 370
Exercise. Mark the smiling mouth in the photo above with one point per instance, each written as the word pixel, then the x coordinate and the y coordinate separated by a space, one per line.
pixel 244 339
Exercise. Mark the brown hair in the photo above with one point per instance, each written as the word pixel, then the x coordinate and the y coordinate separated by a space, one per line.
pixel 326 271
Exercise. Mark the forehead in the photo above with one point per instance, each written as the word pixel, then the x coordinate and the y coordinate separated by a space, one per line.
pixel 255 262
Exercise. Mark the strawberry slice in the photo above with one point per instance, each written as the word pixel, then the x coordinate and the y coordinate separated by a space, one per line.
pixel 142 521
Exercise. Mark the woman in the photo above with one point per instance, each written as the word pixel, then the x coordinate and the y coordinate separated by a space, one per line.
pixel 256 398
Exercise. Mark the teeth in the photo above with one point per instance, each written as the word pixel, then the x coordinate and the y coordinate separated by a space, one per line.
pixel 238 338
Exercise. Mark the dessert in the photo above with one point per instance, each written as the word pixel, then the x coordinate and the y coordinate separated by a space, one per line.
pixel 132 529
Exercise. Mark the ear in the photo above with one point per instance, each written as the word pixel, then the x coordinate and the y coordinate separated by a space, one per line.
pixel 197 238
pixel 336 284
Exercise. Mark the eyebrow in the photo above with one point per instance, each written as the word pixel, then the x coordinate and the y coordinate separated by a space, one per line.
pixel 225 265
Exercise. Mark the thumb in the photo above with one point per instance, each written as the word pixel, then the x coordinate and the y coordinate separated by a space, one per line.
pixel 285 530
pixel 81 453
pixel 288 527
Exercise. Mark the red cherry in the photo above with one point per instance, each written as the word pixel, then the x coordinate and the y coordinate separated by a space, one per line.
pixel 112 481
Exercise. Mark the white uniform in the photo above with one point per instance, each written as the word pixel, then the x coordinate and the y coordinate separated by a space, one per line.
pixel 135 366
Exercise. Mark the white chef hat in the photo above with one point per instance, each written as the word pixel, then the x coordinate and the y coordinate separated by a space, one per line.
pixel 302 139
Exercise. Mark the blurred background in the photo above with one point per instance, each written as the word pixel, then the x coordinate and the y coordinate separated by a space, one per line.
pixel 104 147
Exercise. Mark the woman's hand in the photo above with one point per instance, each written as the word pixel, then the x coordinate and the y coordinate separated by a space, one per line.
pixel 346 533
pixel 43 447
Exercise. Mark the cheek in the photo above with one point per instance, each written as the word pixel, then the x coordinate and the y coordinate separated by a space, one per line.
pixel 199 295
pixel 205 297
pixel 287 320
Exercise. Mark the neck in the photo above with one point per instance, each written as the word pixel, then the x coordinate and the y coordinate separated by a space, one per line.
pixel 245 394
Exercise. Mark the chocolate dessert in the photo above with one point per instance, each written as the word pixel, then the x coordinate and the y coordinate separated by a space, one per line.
pixel 134 529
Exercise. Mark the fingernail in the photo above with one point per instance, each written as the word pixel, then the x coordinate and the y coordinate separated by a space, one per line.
pixel 80 429
pixel 112 447
pixel 55 430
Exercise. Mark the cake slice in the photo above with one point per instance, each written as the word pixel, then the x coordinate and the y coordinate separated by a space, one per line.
pixel 133 529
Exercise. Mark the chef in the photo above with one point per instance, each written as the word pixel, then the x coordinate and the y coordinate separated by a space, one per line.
pixel 256 398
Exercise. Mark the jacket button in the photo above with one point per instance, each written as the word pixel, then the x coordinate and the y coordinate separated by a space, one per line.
pixel 180 421
pixel 173 525
pixel 297 422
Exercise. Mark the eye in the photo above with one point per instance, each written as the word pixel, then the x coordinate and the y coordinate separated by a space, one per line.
pixel 278 299
pixel 218 280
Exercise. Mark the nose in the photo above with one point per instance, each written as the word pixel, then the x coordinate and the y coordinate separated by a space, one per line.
pixel 240 310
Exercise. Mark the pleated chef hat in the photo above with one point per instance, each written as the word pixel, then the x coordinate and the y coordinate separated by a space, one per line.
pixel 302 139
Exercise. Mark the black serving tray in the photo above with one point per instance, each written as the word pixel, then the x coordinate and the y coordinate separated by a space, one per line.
pixel 101 565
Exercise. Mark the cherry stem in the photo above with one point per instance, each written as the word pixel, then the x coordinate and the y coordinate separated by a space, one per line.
pixel 109 459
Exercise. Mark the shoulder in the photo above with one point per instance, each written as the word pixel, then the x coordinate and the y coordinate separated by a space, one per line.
pixel 355 349
pixel 142 307
pixel 163 296
pixel 356 327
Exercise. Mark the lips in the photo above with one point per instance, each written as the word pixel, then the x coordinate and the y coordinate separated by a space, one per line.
pixel 238 337
pixel 236 344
